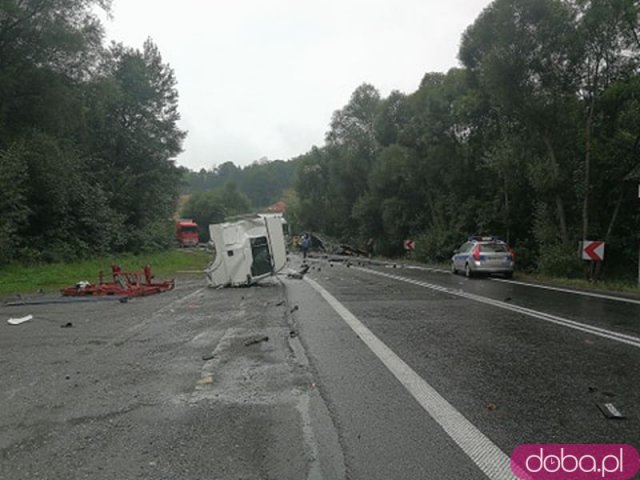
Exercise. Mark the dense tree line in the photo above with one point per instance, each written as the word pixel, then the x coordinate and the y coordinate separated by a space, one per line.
pixel 534 138
pixel 87 136
pixel 215 206
pixel 263 182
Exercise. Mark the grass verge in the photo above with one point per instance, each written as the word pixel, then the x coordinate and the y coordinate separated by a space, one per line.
pixel 168 264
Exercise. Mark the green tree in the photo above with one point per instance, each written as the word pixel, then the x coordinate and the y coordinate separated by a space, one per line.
pixel 14 210
pixel 524 54
pixel 215 206
pixel 133 137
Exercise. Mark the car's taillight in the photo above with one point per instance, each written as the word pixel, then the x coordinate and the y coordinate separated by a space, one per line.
pixel 476 253
pixel 513 254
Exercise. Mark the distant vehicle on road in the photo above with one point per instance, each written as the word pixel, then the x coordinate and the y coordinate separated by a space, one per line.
pixel 483 255
pixel 187 233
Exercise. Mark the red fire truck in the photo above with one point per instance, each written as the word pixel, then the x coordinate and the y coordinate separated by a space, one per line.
pixel 187 233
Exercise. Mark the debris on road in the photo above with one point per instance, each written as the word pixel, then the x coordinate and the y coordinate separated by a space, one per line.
pixel 349 250
pixel 127 284
pixel 67 325
pixel 256 341
pixel 247 251
pixel 280 303
pixel 62 300
pixel 293 334
pixel 294 309
pixel 299 275
pixel 209 356
pixel 492 407
pixel 610 411
pixel 208 380
pixel 18 321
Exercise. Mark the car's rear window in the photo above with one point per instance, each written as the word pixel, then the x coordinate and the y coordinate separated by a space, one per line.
pixel 494 248
pixel 465 247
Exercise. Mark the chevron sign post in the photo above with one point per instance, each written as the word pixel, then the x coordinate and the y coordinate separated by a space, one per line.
pixel 593 250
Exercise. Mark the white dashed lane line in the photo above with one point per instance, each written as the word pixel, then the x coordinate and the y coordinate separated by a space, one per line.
pixel 601 332
pixel 602 296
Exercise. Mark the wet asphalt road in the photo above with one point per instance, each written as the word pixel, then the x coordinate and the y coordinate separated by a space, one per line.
pixel 166 387
pixel 517 378
pixel 195 383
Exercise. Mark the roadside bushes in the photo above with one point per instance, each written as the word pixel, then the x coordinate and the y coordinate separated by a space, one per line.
pixel 559 260
pixel 436 246
pixel 13 209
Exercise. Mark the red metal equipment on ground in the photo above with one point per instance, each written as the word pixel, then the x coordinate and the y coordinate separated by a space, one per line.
pixel 127 284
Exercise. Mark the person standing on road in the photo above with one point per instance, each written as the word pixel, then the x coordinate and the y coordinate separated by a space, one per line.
pixel 306 244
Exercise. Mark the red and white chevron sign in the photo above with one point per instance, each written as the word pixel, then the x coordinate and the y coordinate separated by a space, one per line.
pixel 593 250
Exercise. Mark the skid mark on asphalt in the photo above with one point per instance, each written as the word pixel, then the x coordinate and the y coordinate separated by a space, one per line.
pixel 478 447
pixel 564 322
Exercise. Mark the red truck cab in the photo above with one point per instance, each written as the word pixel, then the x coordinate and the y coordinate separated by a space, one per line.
pixel 187 233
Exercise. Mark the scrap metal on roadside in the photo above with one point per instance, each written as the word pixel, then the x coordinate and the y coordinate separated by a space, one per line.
pixel 125 284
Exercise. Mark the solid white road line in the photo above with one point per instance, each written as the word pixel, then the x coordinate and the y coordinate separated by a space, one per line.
pixel 426 269
pixel 568 290
pixel 601 332
pixel 535 285
pixel 479 448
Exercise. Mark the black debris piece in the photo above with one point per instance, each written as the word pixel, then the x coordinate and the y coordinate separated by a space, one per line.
pixel 49 300
pixel 256 341
pixel 300 273
pixel 208 356
pixel 280 303
pixel 67 325
pixel 294 309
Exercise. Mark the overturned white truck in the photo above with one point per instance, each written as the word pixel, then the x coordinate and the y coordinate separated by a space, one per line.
pixel 247 250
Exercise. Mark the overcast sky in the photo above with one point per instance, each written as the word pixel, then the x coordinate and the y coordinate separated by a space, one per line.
pixel 261 78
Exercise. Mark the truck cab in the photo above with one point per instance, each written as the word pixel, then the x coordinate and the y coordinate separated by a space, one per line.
pixel 187 233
